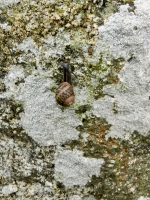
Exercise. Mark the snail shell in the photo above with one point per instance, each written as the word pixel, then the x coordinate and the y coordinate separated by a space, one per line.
pixel 65 94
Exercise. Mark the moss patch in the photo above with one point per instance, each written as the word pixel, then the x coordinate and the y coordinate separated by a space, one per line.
pixel 125 174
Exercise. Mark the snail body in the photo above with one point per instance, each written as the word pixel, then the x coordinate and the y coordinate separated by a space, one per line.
pixel 65 92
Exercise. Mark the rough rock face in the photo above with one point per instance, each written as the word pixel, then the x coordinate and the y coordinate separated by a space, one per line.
pixel 99 147
pixel 128 35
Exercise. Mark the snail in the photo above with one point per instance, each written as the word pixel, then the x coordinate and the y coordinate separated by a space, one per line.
pixel 65 93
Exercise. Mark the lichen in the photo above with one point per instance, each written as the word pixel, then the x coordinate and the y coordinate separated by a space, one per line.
pixel 42 119
pixel 130 97
pixel 106 45
pixel 71 168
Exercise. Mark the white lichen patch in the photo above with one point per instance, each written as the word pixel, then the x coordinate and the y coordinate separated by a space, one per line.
pixel 82 96
pixel 9 189
pixel 144 198
pixel 4 3
pixel 126 105
pixel 28 45
pixel 5 26
pixel 127 33
pixel 72 168
pixel 29 51
pixel 55 46
pixel 51 48
pixel 14 75
pixel 42 119
pixel 77 197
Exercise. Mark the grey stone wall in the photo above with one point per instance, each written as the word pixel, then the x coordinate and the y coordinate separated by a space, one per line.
pixel 98 148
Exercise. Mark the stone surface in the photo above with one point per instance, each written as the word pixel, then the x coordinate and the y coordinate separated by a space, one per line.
pixel 50 152
pixel 9 189
pixel 72 168
pixel 125 104
pixel 42 119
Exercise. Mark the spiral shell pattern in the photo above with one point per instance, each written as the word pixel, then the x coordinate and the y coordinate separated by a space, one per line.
pixel 65 94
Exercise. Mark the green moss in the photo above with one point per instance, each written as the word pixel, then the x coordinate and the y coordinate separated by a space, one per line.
pixel 25 23
pixel 53 88
pixel 83 109
pixel 125 173
pixel 108 72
